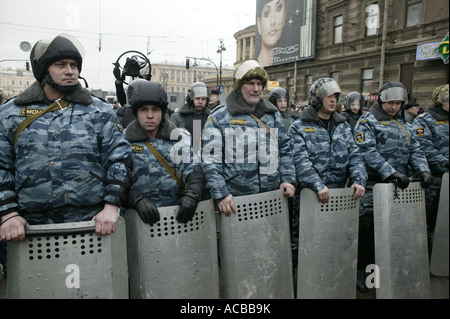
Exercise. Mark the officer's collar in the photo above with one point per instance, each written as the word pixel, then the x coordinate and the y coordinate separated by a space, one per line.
pixel 35 94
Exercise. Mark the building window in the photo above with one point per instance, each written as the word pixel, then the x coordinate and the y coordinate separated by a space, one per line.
pixel 372 19
pixel 367 81
pixel 413 13
pixel 338 29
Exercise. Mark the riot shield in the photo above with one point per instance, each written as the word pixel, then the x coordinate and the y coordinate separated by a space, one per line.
pixel 401 250
pixel 68 261
pixel 255 250
pixel 439 253
pixel 328 245
pixel 173 260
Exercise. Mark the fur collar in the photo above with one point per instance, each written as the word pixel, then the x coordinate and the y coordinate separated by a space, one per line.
pixel 438 113
pixel 135 132
pixel 236 106
pixel 382 115
pixel 35 94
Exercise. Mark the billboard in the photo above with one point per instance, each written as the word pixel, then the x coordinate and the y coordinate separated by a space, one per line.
pixel 285 31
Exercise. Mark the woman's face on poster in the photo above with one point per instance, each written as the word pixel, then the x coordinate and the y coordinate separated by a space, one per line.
pixel 271 22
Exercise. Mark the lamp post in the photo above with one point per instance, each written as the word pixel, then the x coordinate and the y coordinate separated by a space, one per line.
pixel 220 50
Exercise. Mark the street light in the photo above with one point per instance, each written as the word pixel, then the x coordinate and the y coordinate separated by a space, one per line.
pixel 220 50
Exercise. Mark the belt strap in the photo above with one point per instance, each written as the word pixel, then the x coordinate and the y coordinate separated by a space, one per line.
pixel 166 165
pixel 57 105
pixel 264 125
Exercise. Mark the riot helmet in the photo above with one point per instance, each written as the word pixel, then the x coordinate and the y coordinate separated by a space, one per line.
pixel 440 96
pixel 143 92
pixel 352 100
pixel 46 52
pixel 198 89
pixel 322 88
pixel 392 91
pixel 279 93
pixel 248 71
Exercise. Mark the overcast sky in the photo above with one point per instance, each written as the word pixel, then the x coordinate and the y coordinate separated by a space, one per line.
pixel 169 29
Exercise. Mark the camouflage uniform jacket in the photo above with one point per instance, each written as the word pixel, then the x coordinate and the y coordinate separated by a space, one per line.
pixel 150 178
pixel 66 160
pixel 325 156
pixel 240 156
pixel 388 145
pixel 431 129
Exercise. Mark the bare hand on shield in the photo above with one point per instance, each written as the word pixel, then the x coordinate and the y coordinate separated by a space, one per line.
pixel 359 191
pixel 324 195
pixel 106 220
pixel 226 206
pixel 289 189
pixel 12 227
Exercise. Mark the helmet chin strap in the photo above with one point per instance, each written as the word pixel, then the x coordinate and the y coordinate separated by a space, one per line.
pixel 60 88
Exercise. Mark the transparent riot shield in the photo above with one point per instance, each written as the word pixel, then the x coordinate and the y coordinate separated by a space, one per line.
pixel 328 245
pixel 169 260
pixel 439 254
pixel 401 251
pixel 255 249
pixel 68 261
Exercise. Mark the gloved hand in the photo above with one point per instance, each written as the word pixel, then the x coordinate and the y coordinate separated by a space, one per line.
pixel 147 210
pixel 192 195
pixel 188 205
pixel 426 179
pixel 402 179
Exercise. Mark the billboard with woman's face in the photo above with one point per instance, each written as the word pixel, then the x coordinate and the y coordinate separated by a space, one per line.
pixel 285 31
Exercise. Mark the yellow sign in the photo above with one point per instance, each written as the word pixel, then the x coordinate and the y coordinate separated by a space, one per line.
pixel 273 85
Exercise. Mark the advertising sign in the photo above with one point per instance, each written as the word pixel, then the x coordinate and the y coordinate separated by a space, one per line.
pixel 285 31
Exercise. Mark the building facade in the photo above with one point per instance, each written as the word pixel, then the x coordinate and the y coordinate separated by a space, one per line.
pixel 363 44
pixel 14 82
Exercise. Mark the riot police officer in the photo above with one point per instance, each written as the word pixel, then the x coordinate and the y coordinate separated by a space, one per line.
pixel 325 153
pixel 388 145
pixel 431 129
pixel 354 103
pixel 64 154
pixel 280 98
pixel 245 112
pixel 169 182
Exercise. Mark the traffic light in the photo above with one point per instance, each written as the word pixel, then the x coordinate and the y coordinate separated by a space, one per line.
pixel 187 64
pixel 27 66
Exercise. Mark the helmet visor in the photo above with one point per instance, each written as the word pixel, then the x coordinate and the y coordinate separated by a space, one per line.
pixel 394 94
pixel 43 45
pixel 199 91
pixel 328 88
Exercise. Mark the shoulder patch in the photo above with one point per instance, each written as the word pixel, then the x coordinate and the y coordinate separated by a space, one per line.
pixel 119 126
pixel 420 131
pixel 359 138
pixel 137 148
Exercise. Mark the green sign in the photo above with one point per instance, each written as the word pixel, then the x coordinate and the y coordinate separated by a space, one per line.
pixel 442 49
